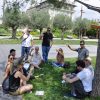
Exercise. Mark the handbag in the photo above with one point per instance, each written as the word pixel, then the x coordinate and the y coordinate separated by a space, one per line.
pixel 5 85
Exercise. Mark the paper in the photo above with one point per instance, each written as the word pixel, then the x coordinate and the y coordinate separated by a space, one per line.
pixel 40 93
pixel 26 66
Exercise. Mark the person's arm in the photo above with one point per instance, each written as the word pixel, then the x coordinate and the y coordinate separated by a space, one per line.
pixel 87 53
pixel 19 74
pixel 22 36
pixel 41 36
pixel 60 52
pixel 67 79
pixel 71 48
pixel 51 40
pixel 32 42
pixel 7 71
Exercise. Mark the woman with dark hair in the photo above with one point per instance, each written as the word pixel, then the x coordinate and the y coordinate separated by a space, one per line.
pixel 8 66
pixel 16 77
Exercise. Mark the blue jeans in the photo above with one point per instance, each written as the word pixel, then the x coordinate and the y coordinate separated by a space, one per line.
pixel 45 51
pixel 25 51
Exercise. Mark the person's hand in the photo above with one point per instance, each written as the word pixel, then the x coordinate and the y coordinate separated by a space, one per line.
pixel 57 50
pixel 31 69
pixel 32 48
pixel 64 77
pixel 68 46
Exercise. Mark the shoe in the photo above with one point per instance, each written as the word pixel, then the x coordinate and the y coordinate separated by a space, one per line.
pixel 68 95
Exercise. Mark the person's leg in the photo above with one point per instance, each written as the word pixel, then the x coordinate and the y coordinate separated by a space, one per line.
pixel 34 65
pixel 22 51
pixel 24 89
pixel 47 51
pixel 79 89
pixel 27 49
pixel 44 53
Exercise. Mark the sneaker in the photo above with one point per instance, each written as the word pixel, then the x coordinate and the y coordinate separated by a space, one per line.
pixel 68 95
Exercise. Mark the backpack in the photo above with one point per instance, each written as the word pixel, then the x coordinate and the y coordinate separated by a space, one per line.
pixel 5 85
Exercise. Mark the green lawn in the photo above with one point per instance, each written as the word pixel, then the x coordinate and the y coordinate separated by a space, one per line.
pixel 56 42
pixel 51 84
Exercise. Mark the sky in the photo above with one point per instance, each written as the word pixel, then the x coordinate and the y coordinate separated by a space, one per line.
pixel 89 14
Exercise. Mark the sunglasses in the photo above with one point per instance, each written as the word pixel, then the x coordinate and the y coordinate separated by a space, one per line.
pixel 11 58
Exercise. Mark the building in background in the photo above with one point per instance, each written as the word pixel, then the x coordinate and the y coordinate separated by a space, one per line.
pixel 67 9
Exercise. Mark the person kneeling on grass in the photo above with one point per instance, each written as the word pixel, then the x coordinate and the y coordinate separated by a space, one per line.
pixel 16 79
pixel 59 58
pixel 82 82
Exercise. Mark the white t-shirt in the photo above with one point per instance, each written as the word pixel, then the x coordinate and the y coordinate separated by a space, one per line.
pixel 90 67
pixel 86 77
pixel 27 41
pixel 36 58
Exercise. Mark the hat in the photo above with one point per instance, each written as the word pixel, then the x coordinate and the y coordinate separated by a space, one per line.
pixel 82 42
pixel 89 59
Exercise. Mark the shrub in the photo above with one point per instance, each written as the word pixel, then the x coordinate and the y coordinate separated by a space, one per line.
pixel 91 32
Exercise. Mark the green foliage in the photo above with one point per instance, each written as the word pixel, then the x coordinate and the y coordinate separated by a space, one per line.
pixel 56 32
pixel 25 20
pixel 61 21
pixel 57 3
pixel 39 19
pixel 91 33
pixel 3 32
pixel 11 15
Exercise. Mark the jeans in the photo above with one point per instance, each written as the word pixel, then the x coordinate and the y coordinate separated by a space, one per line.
pixel 25 51
pixel 45 51
pixel 79 90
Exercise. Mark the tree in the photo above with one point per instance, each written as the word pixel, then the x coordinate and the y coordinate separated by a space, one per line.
pixel 62 22
pixel 80 26
pixel 11 16
pixel 39 19
pixel 25 20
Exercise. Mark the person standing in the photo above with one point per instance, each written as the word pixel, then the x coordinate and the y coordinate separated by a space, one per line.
pixel 47 41
pixel 27 42
pixel 82 51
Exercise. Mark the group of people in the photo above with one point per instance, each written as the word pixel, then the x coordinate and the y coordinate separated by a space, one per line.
pixel 20 69
pixel 81 79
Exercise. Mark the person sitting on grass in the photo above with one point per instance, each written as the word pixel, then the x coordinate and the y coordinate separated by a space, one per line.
pixel 59 58
pixel 35 59
pixel 8 66
pixel 16 76
pixel 89 65
pixel 82 82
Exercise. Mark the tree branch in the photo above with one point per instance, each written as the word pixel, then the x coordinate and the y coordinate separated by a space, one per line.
pixel 90 6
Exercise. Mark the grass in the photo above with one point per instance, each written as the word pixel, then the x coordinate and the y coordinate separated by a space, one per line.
pixel 51 84
pixel 56 42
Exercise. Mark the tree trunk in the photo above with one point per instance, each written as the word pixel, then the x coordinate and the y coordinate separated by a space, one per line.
pixel 62 34
pixel 14 33
pixel 40 30
pixel 96 82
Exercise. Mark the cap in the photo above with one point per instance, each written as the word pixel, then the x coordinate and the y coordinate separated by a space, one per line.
pixel 89 59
